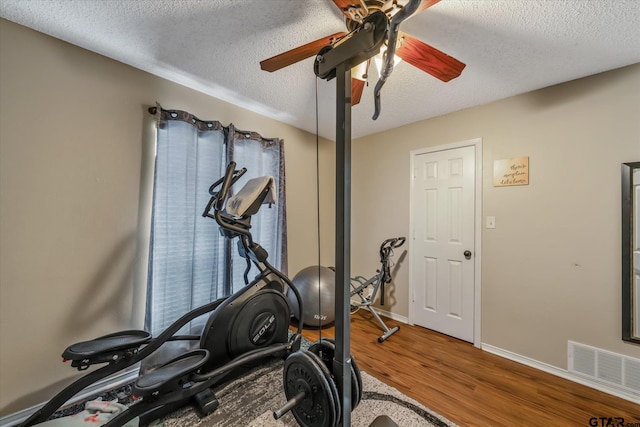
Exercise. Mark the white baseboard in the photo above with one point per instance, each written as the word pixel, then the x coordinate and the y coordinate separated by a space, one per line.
pixel 562 373
pixel 106 384
pixel 390 315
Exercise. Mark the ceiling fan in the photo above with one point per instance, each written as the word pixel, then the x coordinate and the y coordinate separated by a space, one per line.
pixel 409 49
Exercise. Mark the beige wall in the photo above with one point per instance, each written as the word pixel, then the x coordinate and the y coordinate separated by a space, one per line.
pixel 551 268
pixel 71 126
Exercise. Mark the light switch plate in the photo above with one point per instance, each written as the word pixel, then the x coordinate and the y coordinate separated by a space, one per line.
pixel 491 222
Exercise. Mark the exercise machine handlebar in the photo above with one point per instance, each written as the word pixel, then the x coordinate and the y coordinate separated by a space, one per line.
pixel 226 184
pixel 218 197
pixel 396 242
pixel 392 38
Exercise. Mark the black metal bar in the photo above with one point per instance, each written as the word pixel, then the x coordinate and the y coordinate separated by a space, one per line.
pixel 354 48
pixel 342 357
pixel 358 47
pixel 392 40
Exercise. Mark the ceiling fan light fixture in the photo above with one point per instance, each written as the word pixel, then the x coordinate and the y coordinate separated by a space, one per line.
pixel 379 59
pixel 360 71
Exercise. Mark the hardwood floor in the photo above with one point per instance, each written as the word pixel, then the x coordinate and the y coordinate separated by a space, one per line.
pixel 472 387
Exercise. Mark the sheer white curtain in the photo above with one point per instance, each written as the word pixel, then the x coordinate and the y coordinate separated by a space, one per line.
pixel 190 263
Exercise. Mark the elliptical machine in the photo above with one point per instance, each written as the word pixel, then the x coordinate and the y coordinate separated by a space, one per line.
pixel 242 329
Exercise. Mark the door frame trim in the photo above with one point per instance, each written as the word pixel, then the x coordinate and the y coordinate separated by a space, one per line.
pixel 477 144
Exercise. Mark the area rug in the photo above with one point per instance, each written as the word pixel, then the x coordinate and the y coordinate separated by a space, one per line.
pixel 251 399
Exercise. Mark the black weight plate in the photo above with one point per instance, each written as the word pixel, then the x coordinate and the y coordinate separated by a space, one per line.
pixel 356 377
pixel 305 372
pixel 355 371
pixel 325 349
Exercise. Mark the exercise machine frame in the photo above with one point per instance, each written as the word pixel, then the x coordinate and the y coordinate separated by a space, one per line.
pixel 360 284
pixel 338 62
pixel 189 377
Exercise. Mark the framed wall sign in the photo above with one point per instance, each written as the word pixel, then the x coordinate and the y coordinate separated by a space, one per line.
pixel 509 172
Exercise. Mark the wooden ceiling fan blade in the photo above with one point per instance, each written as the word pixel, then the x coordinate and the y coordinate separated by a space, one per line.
pixel 357 87
pixel 428 58
pixel 298 54
pixel 425 4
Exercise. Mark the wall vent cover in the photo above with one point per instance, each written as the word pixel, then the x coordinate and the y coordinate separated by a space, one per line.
pixel 604 366
pixel 632 373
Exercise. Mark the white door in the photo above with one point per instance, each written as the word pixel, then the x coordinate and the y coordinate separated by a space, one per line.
pixel 442 252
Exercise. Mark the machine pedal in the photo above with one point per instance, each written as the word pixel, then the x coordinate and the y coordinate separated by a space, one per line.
pixel 171 376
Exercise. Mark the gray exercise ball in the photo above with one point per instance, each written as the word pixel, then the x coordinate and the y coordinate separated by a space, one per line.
pixel 316 285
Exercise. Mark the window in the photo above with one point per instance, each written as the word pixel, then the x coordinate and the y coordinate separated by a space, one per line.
pixel 190 263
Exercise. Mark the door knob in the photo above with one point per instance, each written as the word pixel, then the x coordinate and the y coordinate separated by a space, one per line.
pixel 467 254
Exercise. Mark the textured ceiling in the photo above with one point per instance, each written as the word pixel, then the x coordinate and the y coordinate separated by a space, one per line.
pixel 215 46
